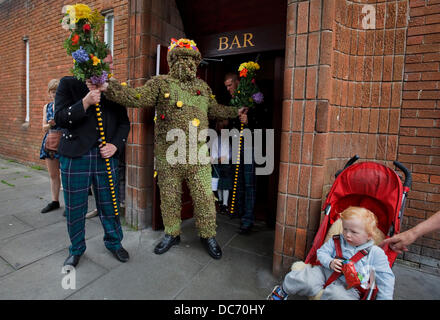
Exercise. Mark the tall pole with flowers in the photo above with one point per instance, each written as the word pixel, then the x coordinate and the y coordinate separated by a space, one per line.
pixel 246 95
pixel 88 53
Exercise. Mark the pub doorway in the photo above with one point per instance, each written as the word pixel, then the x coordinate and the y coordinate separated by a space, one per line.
pixel 268 115
pixel 230 32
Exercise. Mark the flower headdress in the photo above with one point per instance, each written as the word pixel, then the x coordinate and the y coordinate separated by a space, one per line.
pixel 84 45
pixel 183 47
pixel 183 43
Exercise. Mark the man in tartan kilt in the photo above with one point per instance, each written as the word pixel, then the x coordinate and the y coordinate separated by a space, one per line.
pixel 83 163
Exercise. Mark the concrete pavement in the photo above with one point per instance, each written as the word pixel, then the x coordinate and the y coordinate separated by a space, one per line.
pixel 33 247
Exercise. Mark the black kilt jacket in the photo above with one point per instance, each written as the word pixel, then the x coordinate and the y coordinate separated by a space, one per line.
pixel 80 128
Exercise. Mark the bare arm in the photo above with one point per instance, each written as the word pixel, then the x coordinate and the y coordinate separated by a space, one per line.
pixel 46 125
pixel 400 241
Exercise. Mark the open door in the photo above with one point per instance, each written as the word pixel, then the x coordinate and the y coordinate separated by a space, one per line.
pixel 187 206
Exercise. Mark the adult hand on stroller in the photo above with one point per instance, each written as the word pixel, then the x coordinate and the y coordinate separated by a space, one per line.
pixel 400 241
pixel 277 294
pixel 336 265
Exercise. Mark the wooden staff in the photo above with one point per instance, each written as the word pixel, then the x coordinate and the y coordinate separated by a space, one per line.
pixel 237 169
pixel 107 160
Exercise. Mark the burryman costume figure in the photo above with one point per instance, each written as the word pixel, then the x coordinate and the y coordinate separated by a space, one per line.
pixel 183 102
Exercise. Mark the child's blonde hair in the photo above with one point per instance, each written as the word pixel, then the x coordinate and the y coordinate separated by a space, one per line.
pixel 53 85
pixel 367 216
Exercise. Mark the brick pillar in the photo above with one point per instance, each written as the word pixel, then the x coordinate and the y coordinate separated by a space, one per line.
pixel 342 96
pixel 419 135
pixel 151 22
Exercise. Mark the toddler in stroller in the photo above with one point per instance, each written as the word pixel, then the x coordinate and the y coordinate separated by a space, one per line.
pixel 349 262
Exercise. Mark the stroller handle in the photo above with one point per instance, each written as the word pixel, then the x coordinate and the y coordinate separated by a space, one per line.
pixel 349 163
pixel 408 176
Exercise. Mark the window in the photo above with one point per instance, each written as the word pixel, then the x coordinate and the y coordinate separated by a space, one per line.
pixel 109 29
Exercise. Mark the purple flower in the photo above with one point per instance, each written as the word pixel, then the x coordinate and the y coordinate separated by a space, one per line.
pixel 97 80
pixel 258 97
pixel 80 55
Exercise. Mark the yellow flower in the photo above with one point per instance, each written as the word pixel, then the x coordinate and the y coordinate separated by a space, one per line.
pixel 74 60
pixel 138 96
pixel 155 118
pixel 124 84
pixel 155 174
pixel 79 11
pixel 166 95
pixel 96 60
pixel 196 122
pixel 212 96
pixel 179 104
pixel 110 75
pixel 250 100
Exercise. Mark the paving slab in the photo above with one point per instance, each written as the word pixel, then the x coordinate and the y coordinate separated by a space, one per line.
pixel 145 276
pixel 42 280
pixel 11 226
pixel 238 275
pixel 191 245
pixel 412 284
pixel 5 268
pixel 34 245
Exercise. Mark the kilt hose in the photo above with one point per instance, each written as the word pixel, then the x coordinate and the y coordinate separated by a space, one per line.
pixel 77 175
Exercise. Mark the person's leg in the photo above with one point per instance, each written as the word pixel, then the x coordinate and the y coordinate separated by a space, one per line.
pixel 53 166
pixel 305 282
pixel 170 185
pixel 337 291
pixel 247 220
pixel 103 197
pixel 75 174
pixel 225 197
pixel 198 180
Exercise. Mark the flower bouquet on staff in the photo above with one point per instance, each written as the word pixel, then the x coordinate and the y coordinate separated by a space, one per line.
pixel 247 95
pixel 88 52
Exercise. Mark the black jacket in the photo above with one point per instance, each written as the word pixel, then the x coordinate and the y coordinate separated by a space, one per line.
pixel 81 127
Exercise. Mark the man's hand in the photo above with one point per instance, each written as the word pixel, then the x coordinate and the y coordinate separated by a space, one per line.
pixel 399 242
pixel 103 87
pixel 92 98
pixel 336 265
pixel 107 150
pixel 243 118
pixel 51 122
pixel 243 110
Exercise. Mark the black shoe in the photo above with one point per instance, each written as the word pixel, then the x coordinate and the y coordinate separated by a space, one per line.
pixel 72 260
pixel 245 229
pixel 224 210
pixel 212 246
pixel 121 254
pixel 64 213
pixel 51 206
pixel 166 243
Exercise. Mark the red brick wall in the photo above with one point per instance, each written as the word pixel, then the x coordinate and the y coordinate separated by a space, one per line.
pixel 39 20
pixel 419 135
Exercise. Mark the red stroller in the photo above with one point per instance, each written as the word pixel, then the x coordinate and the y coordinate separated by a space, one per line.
pixel 372 186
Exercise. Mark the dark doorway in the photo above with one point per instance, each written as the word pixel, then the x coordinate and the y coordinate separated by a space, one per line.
pixel 270 82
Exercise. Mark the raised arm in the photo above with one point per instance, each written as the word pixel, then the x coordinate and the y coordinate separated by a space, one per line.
pixel 219 111
pixel 141 97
